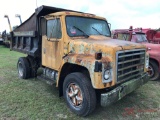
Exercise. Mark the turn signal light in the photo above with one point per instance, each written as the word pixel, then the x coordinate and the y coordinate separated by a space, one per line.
pixel 98 56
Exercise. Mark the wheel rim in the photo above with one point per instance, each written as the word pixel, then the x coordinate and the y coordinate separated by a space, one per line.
pixel 74 95
pixel 20 69
pixel 150 71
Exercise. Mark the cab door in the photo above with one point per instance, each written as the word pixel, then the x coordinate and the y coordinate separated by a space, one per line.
pixel 52 44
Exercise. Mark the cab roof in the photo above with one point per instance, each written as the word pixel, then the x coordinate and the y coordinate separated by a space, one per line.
pixel 70 13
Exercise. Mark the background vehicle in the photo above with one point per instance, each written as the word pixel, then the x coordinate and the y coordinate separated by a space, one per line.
pixel 6 37
pixel 136 35
pixel 1 40
pixel 76 52
pixel 153 35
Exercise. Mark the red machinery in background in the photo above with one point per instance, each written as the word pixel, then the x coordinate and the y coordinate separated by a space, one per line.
pixel 138 35
pixel 153 35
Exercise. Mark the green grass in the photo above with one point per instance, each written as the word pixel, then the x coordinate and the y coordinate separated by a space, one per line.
pixel 34 99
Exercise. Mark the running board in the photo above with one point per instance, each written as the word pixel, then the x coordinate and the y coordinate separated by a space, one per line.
pixel 47 80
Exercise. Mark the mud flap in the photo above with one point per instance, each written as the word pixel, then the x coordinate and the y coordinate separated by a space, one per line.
pixel 122 90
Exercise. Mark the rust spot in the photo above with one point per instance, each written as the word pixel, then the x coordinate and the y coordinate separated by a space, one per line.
pixel 83 14
pixel 106 61
pixel 68 13
pixel 78 60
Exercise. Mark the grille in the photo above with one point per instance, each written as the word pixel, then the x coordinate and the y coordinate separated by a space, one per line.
pixel 130 64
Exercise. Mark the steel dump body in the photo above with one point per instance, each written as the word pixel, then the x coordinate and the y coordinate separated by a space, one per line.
pixel 27 37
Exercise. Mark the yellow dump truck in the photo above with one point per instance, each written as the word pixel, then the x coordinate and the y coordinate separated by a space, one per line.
pixel 76 52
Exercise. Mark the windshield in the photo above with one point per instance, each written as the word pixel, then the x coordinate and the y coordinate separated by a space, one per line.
pixel 141 38
pixel 81 26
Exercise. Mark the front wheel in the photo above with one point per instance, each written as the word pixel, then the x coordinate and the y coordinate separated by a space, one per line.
pixel 153 71
pixel 79 94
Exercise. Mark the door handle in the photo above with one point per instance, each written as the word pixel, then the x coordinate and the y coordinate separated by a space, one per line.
pixel 44 50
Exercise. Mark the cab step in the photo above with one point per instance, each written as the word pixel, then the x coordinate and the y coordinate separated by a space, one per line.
pixel 47 80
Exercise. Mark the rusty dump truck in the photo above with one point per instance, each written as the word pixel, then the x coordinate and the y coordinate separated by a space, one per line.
pixel 137 35
pixel 76 52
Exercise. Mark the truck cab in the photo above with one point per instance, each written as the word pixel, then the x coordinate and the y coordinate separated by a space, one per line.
pixel 77 54
pixel 136 35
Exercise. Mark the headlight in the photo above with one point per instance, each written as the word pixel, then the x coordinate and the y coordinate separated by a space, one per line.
pixel 107 75
pixel 147 61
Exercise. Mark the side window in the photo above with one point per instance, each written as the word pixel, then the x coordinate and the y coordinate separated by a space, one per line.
pixel 54 28
pixel 126 37
pixel 120 36
pixel 123 36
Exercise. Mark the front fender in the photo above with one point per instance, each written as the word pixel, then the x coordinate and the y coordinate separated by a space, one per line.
pixel 87 61
pixel 154 55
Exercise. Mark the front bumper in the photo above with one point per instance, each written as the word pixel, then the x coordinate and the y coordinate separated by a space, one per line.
pixel 122 90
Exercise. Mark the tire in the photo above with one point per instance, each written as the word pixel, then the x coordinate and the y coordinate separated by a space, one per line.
pixel 1 42
pixel 81 89
pixel 153 71
pixel 23 68
pixel 32 66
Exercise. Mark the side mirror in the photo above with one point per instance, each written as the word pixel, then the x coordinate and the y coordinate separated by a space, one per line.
pixel 109 24
pixel 43 26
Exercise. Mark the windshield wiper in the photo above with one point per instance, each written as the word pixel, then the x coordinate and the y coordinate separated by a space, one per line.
pixel 81 31
pixel 97 31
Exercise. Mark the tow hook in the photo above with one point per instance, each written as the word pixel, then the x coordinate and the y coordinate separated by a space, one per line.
pixel 121 89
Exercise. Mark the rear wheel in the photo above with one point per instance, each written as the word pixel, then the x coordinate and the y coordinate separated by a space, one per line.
pixel 153 71
pixel 23 68
pixel 32 66
pixel 79 94
pixel 1 42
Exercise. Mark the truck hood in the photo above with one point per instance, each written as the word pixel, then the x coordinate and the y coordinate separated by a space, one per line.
pixel 152 46
pixel 101 44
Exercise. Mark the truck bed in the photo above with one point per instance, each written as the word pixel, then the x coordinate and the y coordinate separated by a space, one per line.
pixel 27 38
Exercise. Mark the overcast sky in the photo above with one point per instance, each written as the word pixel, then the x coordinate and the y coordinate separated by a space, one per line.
pixel 120 13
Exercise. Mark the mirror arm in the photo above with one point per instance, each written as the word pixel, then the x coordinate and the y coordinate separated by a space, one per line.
pixel 109 24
